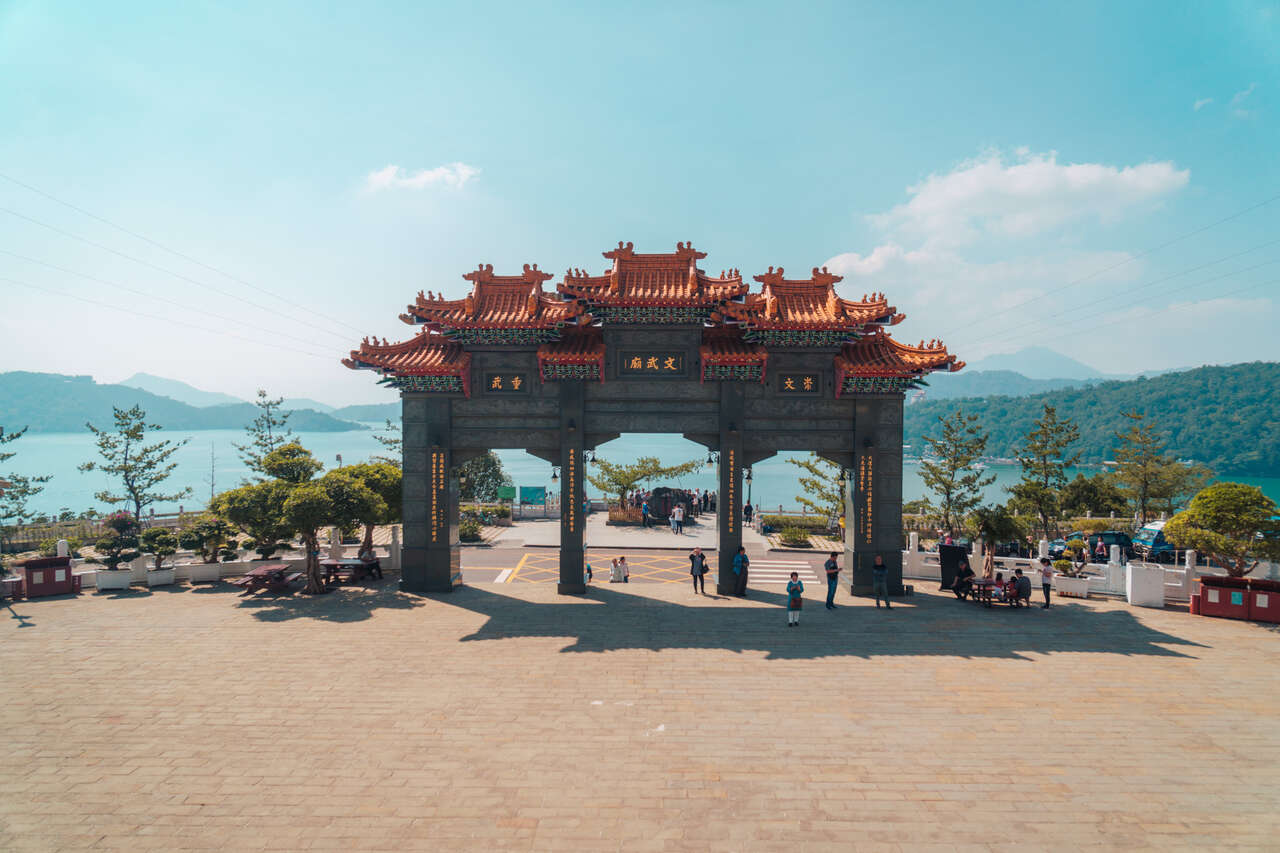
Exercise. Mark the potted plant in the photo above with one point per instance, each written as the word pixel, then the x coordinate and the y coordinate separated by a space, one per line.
pixel 119 545
pixel 1235 525
pixel 1069 581
pixel 469 530
pixel 160 543
pixel 211 540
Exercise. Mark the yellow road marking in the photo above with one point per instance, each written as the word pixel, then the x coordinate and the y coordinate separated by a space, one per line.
pixel 519 566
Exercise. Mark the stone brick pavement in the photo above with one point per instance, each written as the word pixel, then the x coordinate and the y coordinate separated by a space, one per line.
pixel 503 717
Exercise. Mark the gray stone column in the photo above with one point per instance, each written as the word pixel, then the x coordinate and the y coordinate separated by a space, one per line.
pixel 430 559
pixel 873 493
pixel 572 519
pixel 729 490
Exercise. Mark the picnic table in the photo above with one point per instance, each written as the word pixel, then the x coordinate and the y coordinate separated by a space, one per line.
pixel 982 591
pixel 355 569
pixel 271 576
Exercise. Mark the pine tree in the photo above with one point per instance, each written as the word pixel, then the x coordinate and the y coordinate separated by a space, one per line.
pixel 140 467
pixel 15 489
pixel 1044 460
pixel 823 493
pixel 949 474
pixel 1147 476
pixel 268 431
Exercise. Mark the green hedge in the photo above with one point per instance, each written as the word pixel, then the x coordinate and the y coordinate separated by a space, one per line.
pixel 803 522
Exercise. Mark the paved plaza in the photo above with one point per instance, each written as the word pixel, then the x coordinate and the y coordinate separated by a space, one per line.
pixel 643 717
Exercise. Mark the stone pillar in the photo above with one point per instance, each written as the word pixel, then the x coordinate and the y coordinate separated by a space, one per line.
pixel 873 493
pixel 729 488
pixel 430 559
pixel 394 551
pixel 572 519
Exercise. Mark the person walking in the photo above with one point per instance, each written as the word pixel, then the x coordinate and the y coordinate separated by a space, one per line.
pixel 833 578
pixel 677 518
pixel 644 513
pixel 880 581
pixel 740 564
pixel 747 512
pixel 698 568
pixel 795 601
pixel 588 571
pixel 1046 580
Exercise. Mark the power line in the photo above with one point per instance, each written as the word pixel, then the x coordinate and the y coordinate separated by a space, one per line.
pixel 144 294
pixel 1022 336
pixel 1131 291
pixel 179 275
pixel 134 312
pixel 291 303
pixel 1131 258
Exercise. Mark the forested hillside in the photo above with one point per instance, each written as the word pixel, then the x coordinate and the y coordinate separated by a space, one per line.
pixel 52 402
pixel 1226 417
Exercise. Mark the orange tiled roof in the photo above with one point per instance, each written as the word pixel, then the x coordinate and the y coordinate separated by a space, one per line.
pixel 581 348
pixel 810 304
pixel 671 279
pixel 425 354
pixel 879 356
pixel 731 349
pixel 496 302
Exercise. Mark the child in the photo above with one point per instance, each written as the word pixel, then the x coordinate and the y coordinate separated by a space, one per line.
pixel 588 573
pixel 998 591
pixel 794 601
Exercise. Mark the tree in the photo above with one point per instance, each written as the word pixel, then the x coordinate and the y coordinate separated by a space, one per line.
pixel 1230 522
pixel 209 537
pixel 1044 460
pixel 949 474
pixel 1096 495
pixel 823 494
pixel 391 440
pixel 159 543
pixel 994 524
pixel 120 543
pixel 291 463
pixel 141 467
pixel 268 431
pixel 16 490
pixel 256 510
pixel 616 479
pixel 484 476
pixel 337 499
pixel 385 481
pixel 1181 482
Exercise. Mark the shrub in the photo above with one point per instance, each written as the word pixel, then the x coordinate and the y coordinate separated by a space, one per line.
pixel 159 543
pixel 795 537
pixel 1064 567
pixel 502 511
pixel 469 530
pixel 802 522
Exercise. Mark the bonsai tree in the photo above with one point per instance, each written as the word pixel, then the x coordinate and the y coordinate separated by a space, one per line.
pixel 1233 523
pixel 256 510
pixel 160 543
pixel 1076 554
pixel 209 537
pixel 120 544
pixel 384 480
pixel 337 499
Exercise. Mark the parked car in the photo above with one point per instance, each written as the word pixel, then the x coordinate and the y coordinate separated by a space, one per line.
pixel 1056 549
pixel 1150 543
pixel 1109 538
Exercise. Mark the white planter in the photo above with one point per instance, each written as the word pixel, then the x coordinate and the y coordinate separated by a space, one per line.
pixel 1072 587
pixel 204 572
pixel 1145 585
pixel 160 577
pixel 106 579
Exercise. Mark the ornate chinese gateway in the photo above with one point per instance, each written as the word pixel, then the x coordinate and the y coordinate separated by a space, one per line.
pixel 653 344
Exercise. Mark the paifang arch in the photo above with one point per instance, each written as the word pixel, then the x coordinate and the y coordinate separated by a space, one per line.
pixel 653 344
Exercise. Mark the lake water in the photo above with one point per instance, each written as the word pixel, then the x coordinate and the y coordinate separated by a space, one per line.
pixel 774 481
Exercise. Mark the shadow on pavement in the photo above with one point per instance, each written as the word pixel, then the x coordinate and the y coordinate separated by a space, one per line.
pixel 343 604
pixel 923 624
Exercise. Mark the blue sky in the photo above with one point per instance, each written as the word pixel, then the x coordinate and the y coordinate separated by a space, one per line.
pixel 1000 172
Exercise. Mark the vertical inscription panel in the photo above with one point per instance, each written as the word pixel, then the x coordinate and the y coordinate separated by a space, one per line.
pixel 439 495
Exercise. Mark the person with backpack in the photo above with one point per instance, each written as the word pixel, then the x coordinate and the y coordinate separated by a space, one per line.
pixel 698 568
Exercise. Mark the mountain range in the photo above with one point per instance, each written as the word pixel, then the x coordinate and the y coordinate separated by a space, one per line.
pixel 52 402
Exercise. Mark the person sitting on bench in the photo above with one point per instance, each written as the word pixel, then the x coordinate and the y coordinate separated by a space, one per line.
pixel 963 584
pixel 1021 589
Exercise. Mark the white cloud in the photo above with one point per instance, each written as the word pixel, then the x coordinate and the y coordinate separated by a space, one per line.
pixel 1238 99
pixel 1202 103
pixel 1030 195
pixel 394 177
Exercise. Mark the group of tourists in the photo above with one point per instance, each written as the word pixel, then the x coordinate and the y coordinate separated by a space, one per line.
pixel 698 500
pixel 1015 591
